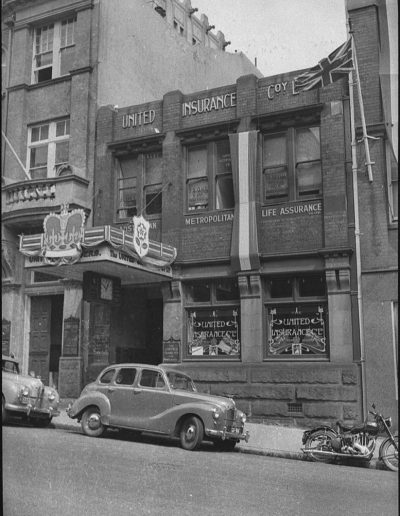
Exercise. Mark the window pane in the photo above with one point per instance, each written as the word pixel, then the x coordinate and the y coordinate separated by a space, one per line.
pixel 224 164
pixel 297 330
pixel 153 200
pixel 224 193
pixel 61 128
pixel 214 333
pixel 153 168
pixel 62 152
pixel 226 290
pixel 38 156
pixel 151 379
pixel 281 287
pixel 312 286
pixel 276 183
pixel 198 194
pixel 197 162
pixel 44 59
pixel 199 292
pixel 274 150
pixel 126 376
pixel 307 144
pixel 67 56
pixel 308 177
pixel 44 132
pixel 45 74
pixel 35 134
pixel 38 173
pixel 107 376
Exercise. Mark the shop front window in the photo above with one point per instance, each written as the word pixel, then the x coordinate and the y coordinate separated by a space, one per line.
pixel 297 317
pixel 213 320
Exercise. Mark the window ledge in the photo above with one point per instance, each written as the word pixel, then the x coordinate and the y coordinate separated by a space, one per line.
pixel 42 84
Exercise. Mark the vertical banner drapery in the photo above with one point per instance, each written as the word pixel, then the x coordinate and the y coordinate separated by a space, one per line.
pixel 244 246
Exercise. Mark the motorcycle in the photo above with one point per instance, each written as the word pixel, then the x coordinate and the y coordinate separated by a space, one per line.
pixel 325 444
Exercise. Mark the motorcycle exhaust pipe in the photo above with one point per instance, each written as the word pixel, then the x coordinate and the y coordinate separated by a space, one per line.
pixel 337 454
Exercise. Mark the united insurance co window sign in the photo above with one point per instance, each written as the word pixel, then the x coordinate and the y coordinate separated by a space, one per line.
pixel 214 333
pixel 297 331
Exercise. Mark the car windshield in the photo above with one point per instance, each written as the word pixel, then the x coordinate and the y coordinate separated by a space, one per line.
pixel 181 382
pixel 10 367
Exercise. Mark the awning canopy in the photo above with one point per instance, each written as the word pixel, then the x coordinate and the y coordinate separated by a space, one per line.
pixel 103 249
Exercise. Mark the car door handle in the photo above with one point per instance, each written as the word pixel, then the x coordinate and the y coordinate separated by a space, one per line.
pixel 110 389
pixel 136 390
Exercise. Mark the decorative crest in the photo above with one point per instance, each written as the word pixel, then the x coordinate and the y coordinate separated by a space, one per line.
pixel 63 235
pixel 141 235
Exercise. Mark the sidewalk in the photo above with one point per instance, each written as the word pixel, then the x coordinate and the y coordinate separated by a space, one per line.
pixel 267 440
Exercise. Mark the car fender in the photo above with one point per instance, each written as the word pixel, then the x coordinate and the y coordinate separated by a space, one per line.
pixel 96 399
pixel 201 410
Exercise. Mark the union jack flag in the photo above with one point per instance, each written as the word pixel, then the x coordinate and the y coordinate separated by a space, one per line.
pixel 330 69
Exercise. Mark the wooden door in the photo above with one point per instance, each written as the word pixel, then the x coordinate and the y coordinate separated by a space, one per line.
pixel 39 344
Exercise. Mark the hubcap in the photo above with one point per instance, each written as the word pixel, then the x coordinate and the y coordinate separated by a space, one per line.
pixel 94 421
pixel 190 433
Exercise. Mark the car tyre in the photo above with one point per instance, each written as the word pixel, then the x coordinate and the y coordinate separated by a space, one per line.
pixel 91 423
pixel 191 434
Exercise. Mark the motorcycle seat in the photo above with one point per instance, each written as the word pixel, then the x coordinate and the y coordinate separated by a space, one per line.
pixel 343 427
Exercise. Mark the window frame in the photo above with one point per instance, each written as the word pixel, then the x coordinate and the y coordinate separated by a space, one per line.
pixel 141 186
pixel 57 48
pixel 212 175
pixel 51 143
pixel 298 303
pixel 212 305
pixel 291 166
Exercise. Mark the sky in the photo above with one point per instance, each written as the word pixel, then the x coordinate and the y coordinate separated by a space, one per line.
pixel 283 35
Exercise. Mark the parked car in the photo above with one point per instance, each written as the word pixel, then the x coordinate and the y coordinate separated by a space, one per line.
pixel 26 397
pixel 157 399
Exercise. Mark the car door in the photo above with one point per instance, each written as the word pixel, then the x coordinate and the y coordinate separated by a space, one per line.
pixel 151 401
pixel 119 391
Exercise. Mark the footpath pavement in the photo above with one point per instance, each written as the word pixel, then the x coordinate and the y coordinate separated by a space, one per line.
pixel 267 440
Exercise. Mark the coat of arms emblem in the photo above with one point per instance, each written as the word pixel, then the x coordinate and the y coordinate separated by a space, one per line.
pixel 141 235
pixel 63 235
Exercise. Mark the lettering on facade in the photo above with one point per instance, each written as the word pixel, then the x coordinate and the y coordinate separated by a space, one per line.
pixel 138 119
pixel 171 350
pixel 209 219
pixel 208 104
pixel 280 88
pixel 312 208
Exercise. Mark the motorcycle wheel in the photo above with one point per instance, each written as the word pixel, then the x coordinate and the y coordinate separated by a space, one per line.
pixel 320 440
pixel 389 453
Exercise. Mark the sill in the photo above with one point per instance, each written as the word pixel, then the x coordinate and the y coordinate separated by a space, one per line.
pixel 300 359
pixel 394 225
pixel 56 80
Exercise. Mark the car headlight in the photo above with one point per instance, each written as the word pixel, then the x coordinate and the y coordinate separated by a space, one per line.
pixel 216 414
pixel 51 396
pixel 24 393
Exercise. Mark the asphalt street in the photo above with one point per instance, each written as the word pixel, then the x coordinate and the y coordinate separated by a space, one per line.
pixel 55 471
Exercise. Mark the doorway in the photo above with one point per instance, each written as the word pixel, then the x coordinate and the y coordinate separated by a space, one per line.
pixel 46 337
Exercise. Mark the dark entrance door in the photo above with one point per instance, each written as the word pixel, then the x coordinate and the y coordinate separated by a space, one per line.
pixel 45 336
pixel 154 330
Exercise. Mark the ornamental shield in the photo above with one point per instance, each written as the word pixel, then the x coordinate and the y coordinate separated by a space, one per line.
pixel 141 235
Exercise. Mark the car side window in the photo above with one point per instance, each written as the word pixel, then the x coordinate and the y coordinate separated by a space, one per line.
pixel 126 376
pixel 152 379
pixel 107 376
pixel 10 367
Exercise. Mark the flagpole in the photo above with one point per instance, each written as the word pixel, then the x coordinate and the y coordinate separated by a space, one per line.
pixel 354 168
pixel 16 156
pixel 365 137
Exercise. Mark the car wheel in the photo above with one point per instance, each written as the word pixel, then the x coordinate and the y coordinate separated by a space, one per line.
pixel 227 445
pixel 3 412
pixel 191 433
pixel 41 422
pixel 91 422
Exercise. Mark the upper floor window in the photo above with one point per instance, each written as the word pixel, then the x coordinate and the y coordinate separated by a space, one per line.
pixel 292 165
pixel 139 185
pixel 53 50
pixel 179 20
pixel 209 184
pixel 48 148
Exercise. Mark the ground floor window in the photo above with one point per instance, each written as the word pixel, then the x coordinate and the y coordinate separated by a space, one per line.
pixel 213 319
pixel 296 311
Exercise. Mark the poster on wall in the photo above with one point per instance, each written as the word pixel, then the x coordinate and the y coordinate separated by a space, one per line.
pixel 214 333
pixel 297 332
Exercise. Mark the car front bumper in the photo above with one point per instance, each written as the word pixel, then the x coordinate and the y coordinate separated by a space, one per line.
pixel 32 411
pixel 236 434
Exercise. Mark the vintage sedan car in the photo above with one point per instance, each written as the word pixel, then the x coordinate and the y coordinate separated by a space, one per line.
pixel 157 399
pixel 26 397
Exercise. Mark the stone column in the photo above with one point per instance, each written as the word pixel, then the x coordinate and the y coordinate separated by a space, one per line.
pixel 70 380
pixel 339 308
pixel 251 334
